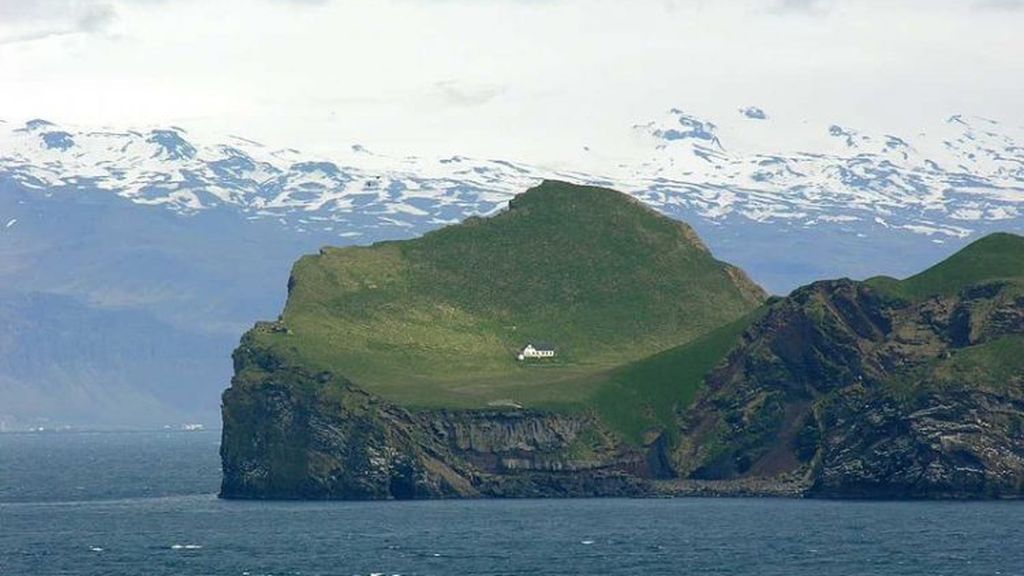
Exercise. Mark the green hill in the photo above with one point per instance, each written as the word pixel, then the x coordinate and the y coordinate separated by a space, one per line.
pixel 997 256
pixel 649 393
pixel 672 374
pixel 437 321
pixel 885 388
pixel 647 396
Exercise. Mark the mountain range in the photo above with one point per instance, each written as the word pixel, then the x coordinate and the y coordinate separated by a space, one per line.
pixel 158 228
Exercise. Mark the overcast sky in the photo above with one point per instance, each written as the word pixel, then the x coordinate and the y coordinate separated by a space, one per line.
pixel 528 79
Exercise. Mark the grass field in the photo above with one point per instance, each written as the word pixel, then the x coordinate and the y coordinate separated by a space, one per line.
pixel 437 321
pixel 638 310
pixel 648 394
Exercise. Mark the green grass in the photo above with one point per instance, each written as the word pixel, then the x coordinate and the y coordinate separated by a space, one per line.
pixel 995 257
pixel 995 366
pixel 436 321
pixel 648 394
pixel 991 365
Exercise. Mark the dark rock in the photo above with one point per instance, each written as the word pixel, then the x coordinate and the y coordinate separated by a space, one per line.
pixel 856 394
pixel 292 434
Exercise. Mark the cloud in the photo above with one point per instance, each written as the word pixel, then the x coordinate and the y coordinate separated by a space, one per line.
pixel 457 94
pixel 1000 5
pixel 813 7
pixel 96 19
pixel 438 76
pixel 26 20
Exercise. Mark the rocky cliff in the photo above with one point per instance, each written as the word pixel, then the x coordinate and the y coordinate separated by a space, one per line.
pixel 853 392
pixel 839 390
pixel 293 434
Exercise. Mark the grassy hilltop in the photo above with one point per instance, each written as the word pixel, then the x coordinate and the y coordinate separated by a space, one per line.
pixel 988 361
pixel 997 256
pixel 436 321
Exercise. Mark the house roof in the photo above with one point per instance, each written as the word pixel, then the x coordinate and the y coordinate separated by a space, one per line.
pixel 541 345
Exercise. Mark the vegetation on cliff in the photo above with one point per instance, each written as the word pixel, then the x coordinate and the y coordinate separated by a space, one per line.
pixel 437 321
pixel 885 388
pixel 391 373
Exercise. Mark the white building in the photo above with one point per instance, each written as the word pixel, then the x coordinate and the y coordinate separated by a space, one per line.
pixel 536 351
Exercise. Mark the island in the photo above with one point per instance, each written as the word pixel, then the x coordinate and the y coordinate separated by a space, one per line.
pixel 579 343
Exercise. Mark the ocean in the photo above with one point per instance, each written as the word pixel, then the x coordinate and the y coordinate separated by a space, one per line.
pixel 145 503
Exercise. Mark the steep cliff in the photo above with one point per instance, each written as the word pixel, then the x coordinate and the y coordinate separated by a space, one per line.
pixel 878 389
pixel 293 434
pixel 392 372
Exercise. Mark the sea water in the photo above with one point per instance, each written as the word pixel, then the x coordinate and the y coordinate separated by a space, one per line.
pixel 145 503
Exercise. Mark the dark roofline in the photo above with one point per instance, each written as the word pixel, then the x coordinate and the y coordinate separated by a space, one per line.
pixel 541 345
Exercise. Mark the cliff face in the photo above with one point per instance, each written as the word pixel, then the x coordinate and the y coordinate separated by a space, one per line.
pixel 289 433
pixel 351 393
pixel 840 390
pixel 855 393
pixel 670 379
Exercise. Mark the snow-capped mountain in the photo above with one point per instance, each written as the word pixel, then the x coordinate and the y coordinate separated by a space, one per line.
pixel 939 183
pixel 355 194
pixel 131 260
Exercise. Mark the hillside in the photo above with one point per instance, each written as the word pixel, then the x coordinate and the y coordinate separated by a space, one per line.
pixel 886 388
pixel 994 257
pixel 437 321
pixel 879 389
pixel 649 393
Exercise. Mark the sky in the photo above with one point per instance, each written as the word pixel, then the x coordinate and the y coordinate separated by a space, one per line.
pixel 534 80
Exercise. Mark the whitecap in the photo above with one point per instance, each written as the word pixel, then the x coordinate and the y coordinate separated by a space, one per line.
pixel 95 549
pixel 186 546
pixel 586 542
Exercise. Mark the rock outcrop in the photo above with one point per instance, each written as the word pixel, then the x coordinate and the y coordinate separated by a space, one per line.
pixel 293 434
pixel 837 391
pixel 861 394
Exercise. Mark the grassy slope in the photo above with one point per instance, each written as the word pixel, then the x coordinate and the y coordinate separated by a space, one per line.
pixel 995 257
pixel 992 365
pixel 436 321
pixel 648 394
pixel 987 366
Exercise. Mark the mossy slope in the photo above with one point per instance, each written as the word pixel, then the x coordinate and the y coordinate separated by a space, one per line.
pixel 436 321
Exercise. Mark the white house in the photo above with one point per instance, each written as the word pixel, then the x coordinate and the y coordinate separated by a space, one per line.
pixel 536 351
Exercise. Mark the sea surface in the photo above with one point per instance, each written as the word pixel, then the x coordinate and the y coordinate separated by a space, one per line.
pixel 145 503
